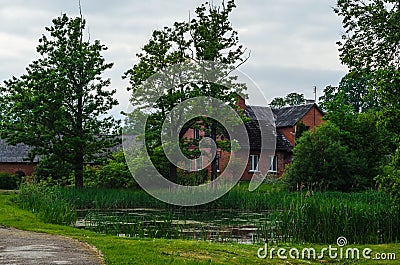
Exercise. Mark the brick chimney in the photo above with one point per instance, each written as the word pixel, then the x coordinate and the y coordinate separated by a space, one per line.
pixel 241 102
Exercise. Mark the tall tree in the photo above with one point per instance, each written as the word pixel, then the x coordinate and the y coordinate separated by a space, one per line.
pixel 59 107
pixel 165 48
pixel 208 36
pixel 214 39
pixel 372 44
pixel 356 91
pixel 293 99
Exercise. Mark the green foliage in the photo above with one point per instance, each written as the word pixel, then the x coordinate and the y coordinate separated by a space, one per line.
pixel 300 129
pixel 54 171
pixel 321 161
pixel 370 45
pixel 291 99
pixel 9 181
pixel 277 103
pixel 114 174
pixel 329 158
pixel 192 178
pixel 209 36
pixel 59 105
pixel 354 90
pixel 371 40
pixel 389 179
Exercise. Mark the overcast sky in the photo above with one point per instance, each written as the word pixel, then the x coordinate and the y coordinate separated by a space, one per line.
pixel 292 42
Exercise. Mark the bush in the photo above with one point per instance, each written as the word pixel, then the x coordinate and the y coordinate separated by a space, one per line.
pixel 9 181
pixel 114 174
pixel 389 180
pixel 53 171
pixel 192 178
pixel 323 161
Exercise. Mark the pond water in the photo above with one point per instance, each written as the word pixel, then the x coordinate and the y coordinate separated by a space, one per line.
pixel 212 225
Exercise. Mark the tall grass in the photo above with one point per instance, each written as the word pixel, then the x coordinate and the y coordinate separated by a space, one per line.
pixel 362 218
pixel 50 205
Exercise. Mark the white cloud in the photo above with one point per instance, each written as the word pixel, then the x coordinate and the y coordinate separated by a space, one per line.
pixel 292 42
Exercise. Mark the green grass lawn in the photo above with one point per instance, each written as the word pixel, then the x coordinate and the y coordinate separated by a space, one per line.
pixel 118 250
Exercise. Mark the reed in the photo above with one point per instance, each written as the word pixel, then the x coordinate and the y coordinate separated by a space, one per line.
pixel 49 203
pixel 363 218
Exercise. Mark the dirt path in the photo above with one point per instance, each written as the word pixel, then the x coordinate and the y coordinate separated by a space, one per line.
pixel 25 248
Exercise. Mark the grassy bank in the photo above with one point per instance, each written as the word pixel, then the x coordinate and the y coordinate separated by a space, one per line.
pixel 161 251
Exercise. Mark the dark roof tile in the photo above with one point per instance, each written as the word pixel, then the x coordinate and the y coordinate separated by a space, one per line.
pixel 14 153
pixel 289 116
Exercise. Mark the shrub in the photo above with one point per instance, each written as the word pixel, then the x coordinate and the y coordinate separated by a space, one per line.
pixel 389 180
pixel 9 181
pixel 53 171
pixel 192 178
pixel 323 161
pixel 114 174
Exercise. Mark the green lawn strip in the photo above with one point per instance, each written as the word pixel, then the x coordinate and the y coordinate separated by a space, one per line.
pixel 118 250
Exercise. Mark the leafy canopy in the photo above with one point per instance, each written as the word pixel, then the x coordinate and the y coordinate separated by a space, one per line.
pixel 59 106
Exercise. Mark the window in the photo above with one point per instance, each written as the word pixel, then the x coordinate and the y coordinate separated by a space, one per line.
pixel 199 164
pixel 189 166
pixel 273 164
pixel 253 163
pixel 196 133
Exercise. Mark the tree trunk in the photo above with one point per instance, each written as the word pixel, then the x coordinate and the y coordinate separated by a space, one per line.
pixel 173 172
pixel 214 165
pixel 78 168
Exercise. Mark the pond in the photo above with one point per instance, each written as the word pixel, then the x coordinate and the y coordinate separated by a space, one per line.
pixel 211 225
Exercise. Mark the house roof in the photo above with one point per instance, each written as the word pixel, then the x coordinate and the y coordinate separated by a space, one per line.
pixel 14 153
pixel 284 117
pixel 264 118
pixel 282 143
pixel 19 153
pixel 289 116
pixel 259 113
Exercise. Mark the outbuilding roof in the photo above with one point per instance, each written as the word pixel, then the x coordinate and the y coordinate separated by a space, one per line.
pixel 14 153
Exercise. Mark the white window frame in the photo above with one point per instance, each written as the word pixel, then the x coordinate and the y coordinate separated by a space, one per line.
pixel 199 164
pixel 254 161
pixel 273 165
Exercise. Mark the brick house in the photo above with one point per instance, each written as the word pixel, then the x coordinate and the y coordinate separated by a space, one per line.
pixel 13 158
pixel 286 119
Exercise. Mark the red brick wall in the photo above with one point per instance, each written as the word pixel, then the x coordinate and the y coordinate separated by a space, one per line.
pixel 313 118
pixel 284 158
pixel 12 168
pixel 289 133
pixel 241 102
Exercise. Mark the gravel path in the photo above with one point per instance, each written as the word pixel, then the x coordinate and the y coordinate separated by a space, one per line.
pixel 24 248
